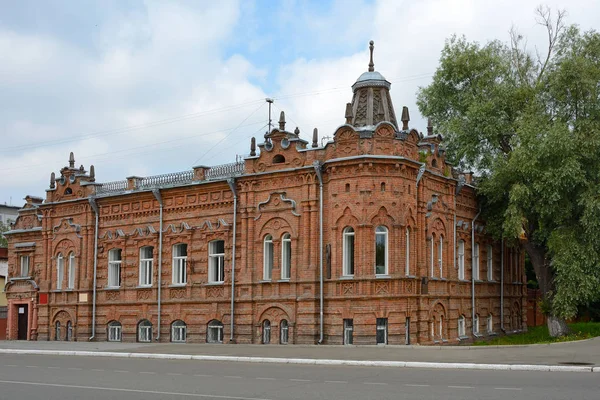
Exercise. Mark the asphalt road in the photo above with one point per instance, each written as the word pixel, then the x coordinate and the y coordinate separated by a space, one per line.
pixel 95 378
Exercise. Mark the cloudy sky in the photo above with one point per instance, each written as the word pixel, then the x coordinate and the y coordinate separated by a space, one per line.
pixel 143 88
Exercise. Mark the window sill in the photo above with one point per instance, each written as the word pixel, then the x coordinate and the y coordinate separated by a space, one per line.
pixel 479 281
pixel 444 340
pixel 411 276
pixel 20 278
pixel 214 283
pixel 284 280
pixel 464 280
pixel 461 338
pixel 478 335
pixel 175 285
pixel 492 281
pixel 382 276
pixel 347 277
pixel 265 281
pixel 492 334
pixel 112 287
pixel 144 287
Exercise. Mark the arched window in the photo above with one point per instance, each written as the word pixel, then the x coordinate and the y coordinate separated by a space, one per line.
pixel 383 186
pixel 490 264
pixel 347 187
pixel 278 159
pixel 286 256
pixel 283 332
pixel 476 262
pixel 441 327
pixel 146 260
pixel 145 331
pixel 71 280
pixel 68 191
pixel 348 251
pixel 432 255
pixel 69 331
pixel 114 331
pixel 407 251
pixel 381 250
pixel 114 268
pixel 179 264
pixel 441 256
pixel 434 163
pixel 214 333
pixel 268 258
pixel 490 324
pixel 266 333
pixel 178 331
pixel 57 330
pixel 216 261
pixel 476 324
pixel 461 259
pixel 432 326
pixel 461 326
pixel 60 268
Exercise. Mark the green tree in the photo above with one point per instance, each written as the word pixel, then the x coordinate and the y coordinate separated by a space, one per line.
pixel 530 126
pixel 3 228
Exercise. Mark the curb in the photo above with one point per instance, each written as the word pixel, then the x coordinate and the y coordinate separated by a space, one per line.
pixel 310 361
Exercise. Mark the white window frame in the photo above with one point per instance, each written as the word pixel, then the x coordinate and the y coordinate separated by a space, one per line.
pixel 144 331
pixel 475 267
pixel 407 250
pixel 348 259
pixel 71 277
pixel 214 332
pixel 114 331
pixel 461 326
pixel 216 262
pixel 179 268
pixel 286 256
pixel 348 331
pixel 382 231
pixel 25 263
pixel 60 268
pixel 178 331
pixel 114 267
pixel 441 256
pixel 146 267
pixel 461 260
pixel 381 324
pixel 476 324
pixel 490 262
pixel 490 323
pixel 284 330
pixel 268 253
pixel 266 332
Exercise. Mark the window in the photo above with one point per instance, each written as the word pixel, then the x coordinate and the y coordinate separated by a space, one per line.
pixel 24 266
pixel 268 258
pixel 441 256
pixel 348 330
pixel 490 265
pixel 490 324
pixel 432 326
pixel 347 187
pixel 441 327
pixel 278 159
pixel 71 281
pixel 432 255
pixel 179 264
pixel 114 268
pixel 214 334
pixel 476 262
pixel 114 331
pixel 348 251
pixel 146 265
pixel 286 256
pixel 216 261
pixel 476 324
pixel 57 330
pixel 178 331
pixel 461 326
pixel 461 260
pixel 283 331
pixel 266 333
pixel 383 186
pixel 407 250
pixel 381 253
pixel 60 267
pixel 69 331
pixel 381 333
pixel 145 331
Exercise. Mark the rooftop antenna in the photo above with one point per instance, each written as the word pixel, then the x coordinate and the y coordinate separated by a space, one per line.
pixel 270 101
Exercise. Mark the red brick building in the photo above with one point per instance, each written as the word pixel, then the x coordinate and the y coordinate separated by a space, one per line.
pixel 367 239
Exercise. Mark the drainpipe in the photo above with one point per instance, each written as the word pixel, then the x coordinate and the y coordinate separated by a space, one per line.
pixel 95 208
pixel 502 286
pixel 317 166
pixel 461 182
pixel 231 183
pixel 156 194
pixel 473 275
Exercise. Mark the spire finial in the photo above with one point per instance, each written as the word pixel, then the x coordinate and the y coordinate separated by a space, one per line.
pixel 371 65
pixel 429 127
pixel 52 180
pixel 315 141
pixel 92 173
pixel 253 147
pixel 349 113
pixel 405 118
pixel 282 121
pixel 71 160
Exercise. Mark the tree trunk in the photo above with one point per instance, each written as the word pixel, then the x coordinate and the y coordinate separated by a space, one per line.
pixel 557 326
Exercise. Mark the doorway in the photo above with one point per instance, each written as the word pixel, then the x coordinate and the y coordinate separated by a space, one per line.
pixel 22 311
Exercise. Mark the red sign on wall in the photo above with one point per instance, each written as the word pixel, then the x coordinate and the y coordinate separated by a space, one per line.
pixel 43 298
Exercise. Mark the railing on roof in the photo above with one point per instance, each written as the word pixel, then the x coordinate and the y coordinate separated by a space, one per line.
pixel 225 170
pixel 108 187
pixel 173 178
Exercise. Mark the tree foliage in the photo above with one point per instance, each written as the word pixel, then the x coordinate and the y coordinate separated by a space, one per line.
pixel 530 126
pixel 3 228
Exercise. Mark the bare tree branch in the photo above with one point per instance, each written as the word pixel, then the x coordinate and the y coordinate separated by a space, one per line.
pixel 544 18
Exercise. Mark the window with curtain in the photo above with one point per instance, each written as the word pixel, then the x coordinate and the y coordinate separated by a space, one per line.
pixel 216 261
pixel 146 261
pixel 114 268
pixel 179 264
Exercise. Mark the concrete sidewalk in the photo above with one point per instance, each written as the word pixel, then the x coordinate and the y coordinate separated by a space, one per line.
pixel 578 355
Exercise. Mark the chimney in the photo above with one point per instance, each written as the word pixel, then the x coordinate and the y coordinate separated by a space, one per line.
pixel 405 118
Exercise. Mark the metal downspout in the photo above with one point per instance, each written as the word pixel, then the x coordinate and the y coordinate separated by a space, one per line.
pixel 95 208
pixel 156 194
pixel 502 286
pixel 472 274
pixel 318 171
pixel 231 183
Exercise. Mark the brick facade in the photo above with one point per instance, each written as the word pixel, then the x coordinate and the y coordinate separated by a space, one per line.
pixel 374 174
